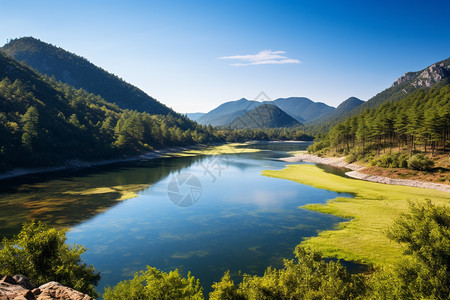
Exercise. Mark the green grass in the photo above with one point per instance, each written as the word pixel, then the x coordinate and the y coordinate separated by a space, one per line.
pixel 373 210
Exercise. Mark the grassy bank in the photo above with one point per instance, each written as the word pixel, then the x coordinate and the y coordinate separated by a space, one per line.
pixel 373 210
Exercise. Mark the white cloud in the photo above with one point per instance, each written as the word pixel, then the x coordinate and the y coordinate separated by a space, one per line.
pixel 265 57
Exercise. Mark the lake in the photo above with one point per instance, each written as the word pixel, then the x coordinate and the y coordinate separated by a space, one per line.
pixel 204 214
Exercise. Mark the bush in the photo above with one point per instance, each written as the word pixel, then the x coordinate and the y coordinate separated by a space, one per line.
pixel 424 273
pixel 155 284
pixel 307 277
pixel 394 160
pixel 41 254
pixel 420 162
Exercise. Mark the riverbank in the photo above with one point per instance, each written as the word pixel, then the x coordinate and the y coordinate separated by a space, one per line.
pixel 79 164
pixel 166 152
pixel 372 211
pixel 357 172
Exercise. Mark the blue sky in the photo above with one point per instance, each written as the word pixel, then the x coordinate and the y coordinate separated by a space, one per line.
pixel 195 55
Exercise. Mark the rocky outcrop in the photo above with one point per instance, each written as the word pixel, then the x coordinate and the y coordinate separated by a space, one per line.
pixel 19 287
pixel 427 77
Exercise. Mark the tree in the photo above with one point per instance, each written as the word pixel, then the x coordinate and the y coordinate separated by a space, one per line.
pixel 155 284
pixel 425 272
pixel 30 127
pixel 41 254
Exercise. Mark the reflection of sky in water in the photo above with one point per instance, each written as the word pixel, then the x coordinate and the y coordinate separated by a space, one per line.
pixel 242 221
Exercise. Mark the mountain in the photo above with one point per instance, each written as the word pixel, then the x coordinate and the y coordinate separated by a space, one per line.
pixel 410 82
pixel 342 109
pixel 300 108
pixel 303 109
pixel 194 116
pixel 227 112
pixel 46 123
pixel 80 73
pixel 404 86
pixel 264 116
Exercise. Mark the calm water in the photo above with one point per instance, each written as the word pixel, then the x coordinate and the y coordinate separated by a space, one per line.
pixel 237 220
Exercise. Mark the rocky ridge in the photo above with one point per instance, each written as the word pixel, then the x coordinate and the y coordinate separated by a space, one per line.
pixel 19 287
pixel 427 77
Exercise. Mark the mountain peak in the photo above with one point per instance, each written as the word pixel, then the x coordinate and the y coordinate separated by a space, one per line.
pixel 264 116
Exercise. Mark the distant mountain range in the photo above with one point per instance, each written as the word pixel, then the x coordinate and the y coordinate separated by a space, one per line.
pixel 264 116
pixel 301 109
pixel 194 116
pixel 80 73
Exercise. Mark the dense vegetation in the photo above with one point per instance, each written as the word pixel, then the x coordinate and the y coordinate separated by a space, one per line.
pixel 41 254
pixel 80 73
pixel 420 122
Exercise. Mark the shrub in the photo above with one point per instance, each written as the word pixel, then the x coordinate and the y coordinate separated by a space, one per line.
pixel 394 160
pixel 420 162
pixel 155 284
pixel 41 254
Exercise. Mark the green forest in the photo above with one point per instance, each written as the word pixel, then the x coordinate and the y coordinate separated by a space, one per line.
pixel 419 123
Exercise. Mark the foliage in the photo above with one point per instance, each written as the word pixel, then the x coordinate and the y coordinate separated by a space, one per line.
pixel 419 162
pixel 155 284
pixel 306 277
pixel 394 160
pixel 40 253
pixel 419 122
pixel 425 232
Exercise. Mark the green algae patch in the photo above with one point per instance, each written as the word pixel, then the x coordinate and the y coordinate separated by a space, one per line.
pixel 233 148
pixel 372 210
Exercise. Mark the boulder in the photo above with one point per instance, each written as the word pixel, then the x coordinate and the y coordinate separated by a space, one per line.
pixel 20 287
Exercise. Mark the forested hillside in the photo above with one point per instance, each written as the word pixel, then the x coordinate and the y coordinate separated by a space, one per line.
pixel 417 123
pixel 264 116
pixel 80 73
pixel 403 87
pixel 44 122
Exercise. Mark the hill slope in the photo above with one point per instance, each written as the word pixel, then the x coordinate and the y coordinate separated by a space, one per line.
pixel 303 109
pixel 80 73
pixel 227 112
pixel 343 108
pixel 264 116
pixel 44 122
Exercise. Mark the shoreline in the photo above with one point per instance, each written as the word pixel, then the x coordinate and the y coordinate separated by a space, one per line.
pixel 80 164
pixel 356 174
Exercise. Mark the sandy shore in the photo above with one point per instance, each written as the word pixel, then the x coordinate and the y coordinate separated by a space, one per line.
pixel 79 164
pixel 356 172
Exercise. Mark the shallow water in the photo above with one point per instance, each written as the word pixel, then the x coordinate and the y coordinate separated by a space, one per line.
pixel 200 214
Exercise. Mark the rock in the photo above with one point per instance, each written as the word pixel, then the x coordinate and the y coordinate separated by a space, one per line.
pixel 54 290
pixel 19 287
pixel 24 282
pixel 8 279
